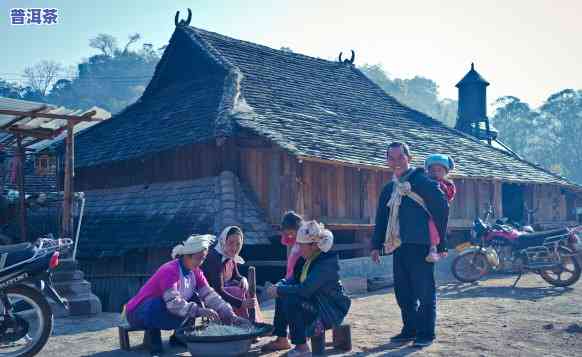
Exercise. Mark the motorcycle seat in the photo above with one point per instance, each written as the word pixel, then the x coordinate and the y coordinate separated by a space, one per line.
pixel 539 238
pixel 15 253
pixel 502 227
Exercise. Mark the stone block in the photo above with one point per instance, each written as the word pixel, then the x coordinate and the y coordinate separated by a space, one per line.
pixel 355 285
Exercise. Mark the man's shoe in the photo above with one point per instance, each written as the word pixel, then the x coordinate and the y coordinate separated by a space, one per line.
pixel 403 337
pixel 422 342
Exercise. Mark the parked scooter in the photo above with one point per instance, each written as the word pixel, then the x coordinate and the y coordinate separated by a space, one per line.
pixel 26 319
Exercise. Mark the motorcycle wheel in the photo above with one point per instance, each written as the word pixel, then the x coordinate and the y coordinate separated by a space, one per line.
pixel 470 267
pixel 569 266
pixel 28 303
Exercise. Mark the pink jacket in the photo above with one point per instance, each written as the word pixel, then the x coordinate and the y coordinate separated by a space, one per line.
pixel 293 256
pixel 167 284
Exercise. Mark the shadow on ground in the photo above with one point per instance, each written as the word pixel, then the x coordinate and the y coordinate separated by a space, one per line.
pixel 139 351
pixel 455 290
pixel 389 349
pixel 73 325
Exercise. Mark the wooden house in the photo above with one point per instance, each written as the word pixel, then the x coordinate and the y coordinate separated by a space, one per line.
pixel 232 132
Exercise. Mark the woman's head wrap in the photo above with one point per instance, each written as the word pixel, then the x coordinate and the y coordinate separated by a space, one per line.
pixel 194 244
pixel 313 232
pixel 222 243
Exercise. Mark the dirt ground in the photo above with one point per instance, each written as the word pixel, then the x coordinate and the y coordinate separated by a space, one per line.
pixel 484 319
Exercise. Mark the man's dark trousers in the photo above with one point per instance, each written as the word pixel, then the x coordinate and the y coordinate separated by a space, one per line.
pixel 414 286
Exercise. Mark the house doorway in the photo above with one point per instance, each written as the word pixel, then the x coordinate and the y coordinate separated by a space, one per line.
pixel 512 201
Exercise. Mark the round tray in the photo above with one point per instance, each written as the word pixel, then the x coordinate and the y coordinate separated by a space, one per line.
pixel 261 330
pixel 219 349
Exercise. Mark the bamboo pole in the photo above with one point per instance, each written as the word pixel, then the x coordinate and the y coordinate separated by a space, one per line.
pixel 252 291
pixel 67 227
pixel 21 190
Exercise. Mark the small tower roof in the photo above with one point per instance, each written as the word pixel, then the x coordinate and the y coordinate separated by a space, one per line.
pixel 472 77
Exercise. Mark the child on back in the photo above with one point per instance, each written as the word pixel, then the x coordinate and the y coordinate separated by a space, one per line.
pixel 438 167
pixel 289 226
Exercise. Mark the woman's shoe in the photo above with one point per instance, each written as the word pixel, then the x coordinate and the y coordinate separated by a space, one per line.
pixel 155 347
pixel 175 341
pixel 433 257
pixel 297 353
pixel 275 345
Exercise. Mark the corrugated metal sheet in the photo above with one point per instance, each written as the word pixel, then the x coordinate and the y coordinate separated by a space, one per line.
pixel 44 123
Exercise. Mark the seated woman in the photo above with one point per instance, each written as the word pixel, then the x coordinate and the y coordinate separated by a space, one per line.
pixel 221 270
pixel 164 302
pixel 314 299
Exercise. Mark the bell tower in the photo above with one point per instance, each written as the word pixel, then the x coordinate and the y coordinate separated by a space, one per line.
pixel 472 115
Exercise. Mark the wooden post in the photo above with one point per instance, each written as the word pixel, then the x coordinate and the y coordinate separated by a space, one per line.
pixel 252 291
pixel 21 191
pixel 67 226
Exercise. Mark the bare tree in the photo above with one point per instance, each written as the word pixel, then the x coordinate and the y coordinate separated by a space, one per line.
pixel 105 43
pixel 42 76
pixel 132 39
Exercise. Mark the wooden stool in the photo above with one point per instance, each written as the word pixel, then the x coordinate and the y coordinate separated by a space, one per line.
pixel 124 337
pixel 342 339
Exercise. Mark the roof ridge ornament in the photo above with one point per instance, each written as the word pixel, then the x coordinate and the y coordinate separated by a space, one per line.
pixel 183 22
pixel 347 61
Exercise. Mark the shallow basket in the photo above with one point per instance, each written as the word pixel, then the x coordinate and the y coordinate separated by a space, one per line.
pixel 228 345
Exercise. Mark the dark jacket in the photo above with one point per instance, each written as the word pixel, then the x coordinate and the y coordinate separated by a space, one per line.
pixel 413 218
pixel 213 271
pixel 322 288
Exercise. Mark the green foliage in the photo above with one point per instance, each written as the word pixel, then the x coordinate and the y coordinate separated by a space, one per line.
pixel 17 91
pixel 549 135
pixel 112 79
pixel 419 93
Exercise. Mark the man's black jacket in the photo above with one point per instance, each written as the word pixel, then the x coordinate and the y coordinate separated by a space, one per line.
pixel 413 218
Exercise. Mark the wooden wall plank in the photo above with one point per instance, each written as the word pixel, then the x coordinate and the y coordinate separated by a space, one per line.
pixel 274 195
pixel 341 200
pixel 326 175
pixel 308 169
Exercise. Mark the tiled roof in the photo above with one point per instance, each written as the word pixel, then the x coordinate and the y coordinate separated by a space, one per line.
pixel 179 114
pixel 158 215
pixel 309 106
pixel 323 109
pixel 33 183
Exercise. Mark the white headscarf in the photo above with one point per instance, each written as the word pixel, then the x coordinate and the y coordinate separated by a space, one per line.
pixel 222 243
pixel 194 244
pixel 313 232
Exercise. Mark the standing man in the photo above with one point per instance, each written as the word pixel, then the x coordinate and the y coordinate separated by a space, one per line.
pixel 404 209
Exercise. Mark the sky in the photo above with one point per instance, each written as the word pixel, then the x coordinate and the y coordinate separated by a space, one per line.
pixel 528 49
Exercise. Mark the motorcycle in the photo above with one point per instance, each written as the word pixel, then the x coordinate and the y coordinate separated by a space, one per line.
pixel 502 236
pixel 26 318
pixel 551 254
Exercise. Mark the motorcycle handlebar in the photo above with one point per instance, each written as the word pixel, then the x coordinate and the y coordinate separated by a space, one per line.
pixel 54 244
